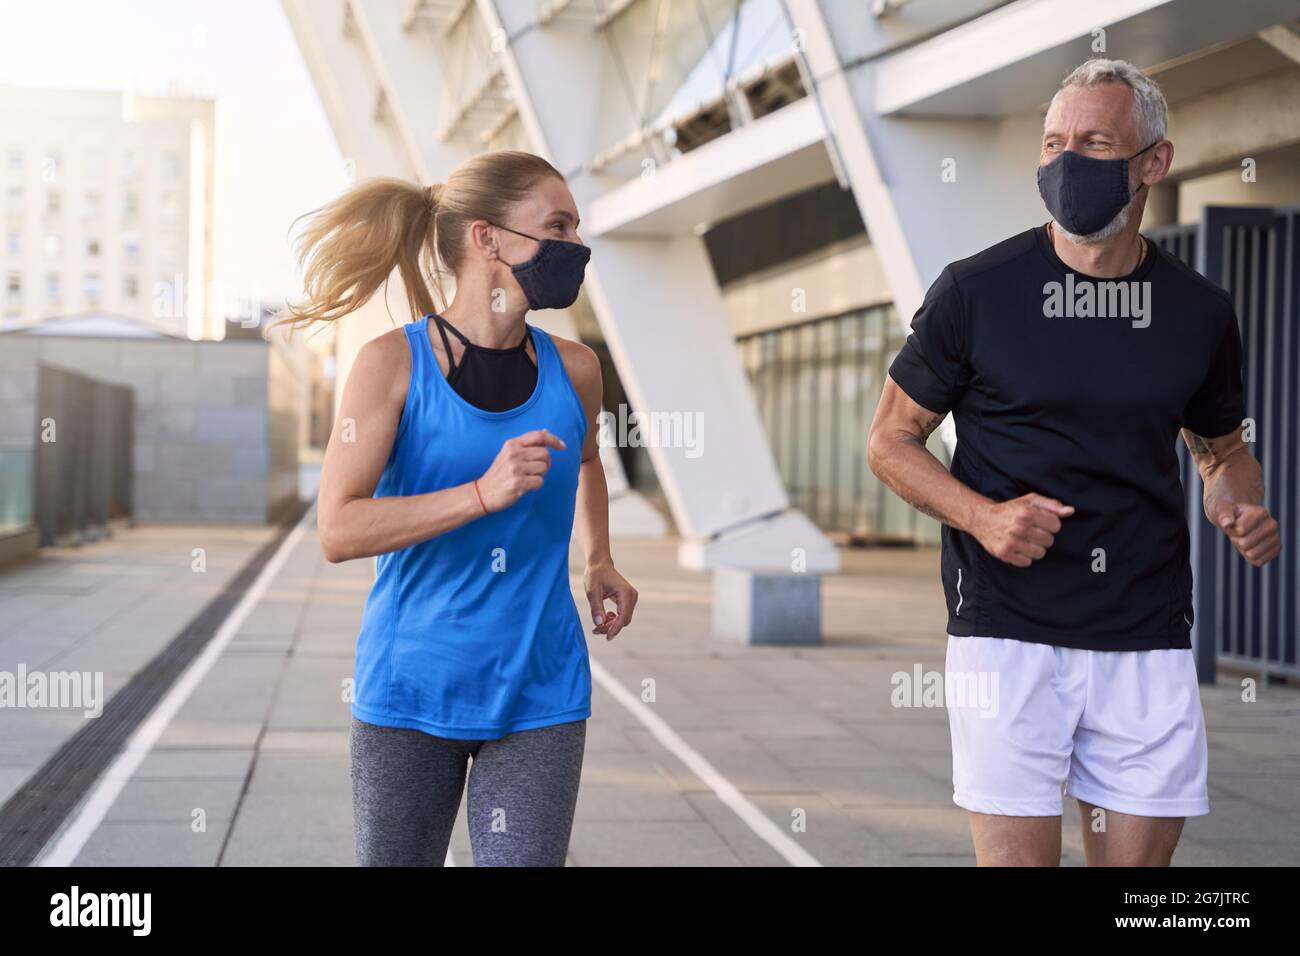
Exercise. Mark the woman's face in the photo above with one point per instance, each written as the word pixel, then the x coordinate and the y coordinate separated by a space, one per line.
pixel 549 212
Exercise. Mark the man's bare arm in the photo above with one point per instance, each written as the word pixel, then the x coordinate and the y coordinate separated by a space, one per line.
pixel 1227 468
pixel 897 455
pixel 1018 532
pixel 1234 494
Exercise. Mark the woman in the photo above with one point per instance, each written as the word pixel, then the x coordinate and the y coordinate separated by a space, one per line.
pixel 460 461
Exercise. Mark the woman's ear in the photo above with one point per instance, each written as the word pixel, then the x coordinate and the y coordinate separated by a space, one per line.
pixel 483 239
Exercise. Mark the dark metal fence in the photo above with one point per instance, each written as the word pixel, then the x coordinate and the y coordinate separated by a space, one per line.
pixel 1250 617
pixel 84 433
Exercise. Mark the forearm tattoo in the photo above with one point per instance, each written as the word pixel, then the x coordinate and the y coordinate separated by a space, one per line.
pixel 1227 476
pixel 928 428
pixel 924 509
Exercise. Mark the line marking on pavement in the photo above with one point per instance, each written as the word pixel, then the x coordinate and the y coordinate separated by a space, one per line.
pixel 100 800
pixel 727 792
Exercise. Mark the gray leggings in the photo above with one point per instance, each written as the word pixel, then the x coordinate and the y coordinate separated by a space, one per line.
pixel 407 785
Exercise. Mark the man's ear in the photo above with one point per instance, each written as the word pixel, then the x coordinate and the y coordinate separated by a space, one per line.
pixel 1164 150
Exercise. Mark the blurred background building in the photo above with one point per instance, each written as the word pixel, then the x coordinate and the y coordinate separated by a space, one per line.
pixel 114 330
pixel 108 205
pixel 132 388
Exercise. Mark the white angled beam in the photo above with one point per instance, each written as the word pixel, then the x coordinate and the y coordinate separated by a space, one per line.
pixel 849 139
pixel 1283 40
pixel 663 318
pixel 779 155
pixel 411 81
pixel 998 39
pixel 347 88
pixel 998 63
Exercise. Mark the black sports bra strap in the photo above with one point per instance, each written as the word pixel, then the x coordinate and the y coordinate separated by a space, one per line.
pixel 446 344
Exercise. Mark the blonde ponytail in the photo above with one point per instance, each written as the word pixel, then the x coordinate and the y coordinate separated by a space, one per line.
pixel 350 246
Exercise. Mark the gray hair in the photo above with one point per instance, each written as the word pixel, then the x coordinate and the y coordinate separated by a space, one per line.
pixel 1151 110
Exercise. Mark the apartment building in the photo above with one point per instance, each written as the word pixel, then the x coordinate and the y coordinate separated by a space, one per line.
pixel 107 207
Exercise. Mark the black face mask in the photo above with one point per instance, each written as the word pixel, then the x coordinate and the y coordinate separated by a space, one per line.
pixel 551 278
pixel 495 380
pixel 1083 194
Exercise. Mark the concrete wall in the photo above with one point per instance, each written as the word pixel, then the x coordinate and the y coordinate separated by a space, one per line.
pixel 834 280
pixel 215 422
pixel 1277 183
pixel 284 403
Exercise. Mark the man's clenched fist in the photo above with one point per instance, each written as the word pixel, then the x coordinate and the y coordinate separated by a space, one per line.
pixel 1021 530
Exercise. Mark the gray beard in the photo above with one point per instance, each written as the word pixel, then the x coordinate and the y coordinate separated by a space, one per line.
pixel 1108 231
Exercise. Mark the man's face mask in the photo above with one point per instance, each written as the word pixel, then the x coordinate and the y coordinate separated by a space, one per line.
pixel 552 277
pixel 1083 194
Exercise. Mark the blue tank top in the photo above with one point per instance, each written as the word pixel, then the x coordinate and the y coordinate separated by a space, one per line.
pixel 474 634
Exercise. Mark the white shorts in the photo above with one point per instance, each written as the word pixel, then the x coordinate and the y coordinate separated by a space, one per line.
pixel 1122 730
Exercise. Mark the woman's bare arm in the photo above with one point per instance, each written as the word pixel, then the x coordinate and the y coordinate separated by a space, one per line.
pixel 351 523
pixel 591 516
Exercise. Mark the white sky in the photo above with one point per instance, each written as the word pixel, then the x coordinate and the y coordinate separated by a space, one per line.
pixel 276 157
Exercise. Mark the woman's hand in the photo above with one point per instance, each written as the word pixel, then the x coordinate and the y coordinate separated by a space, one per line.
pixel 519 468
pixel 601 582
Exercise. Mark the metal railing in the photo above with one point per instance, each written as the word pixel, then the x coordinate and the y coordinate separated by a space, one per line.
pixel 16 478
pixel 84 434
pixel 1246 617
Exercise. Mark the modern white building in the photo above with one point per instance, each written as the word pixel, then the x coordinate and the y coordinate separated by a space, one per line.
pixel 107 206
pixel 768 188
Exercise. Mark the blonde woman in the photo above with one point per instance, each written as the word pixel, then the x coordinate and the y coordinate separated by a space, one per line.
pixel 465 461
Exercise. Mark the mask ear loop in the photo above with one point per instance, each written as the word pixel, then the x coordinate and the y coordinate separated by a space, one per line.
pixel 1143 149
pixel 1143 256
pixel 517 233
pixel 1135 156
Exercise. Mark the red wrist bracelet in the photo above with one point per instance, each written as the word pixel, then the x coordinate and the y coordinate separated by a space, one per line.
pixel 480 497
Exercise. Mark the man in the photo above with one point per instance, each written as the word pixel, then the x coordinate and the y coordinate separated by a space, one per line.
pixel 1071 356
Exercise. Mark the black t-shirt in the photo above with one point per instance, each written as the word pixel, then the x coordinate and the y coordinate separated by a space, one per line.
pixel 1052 392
